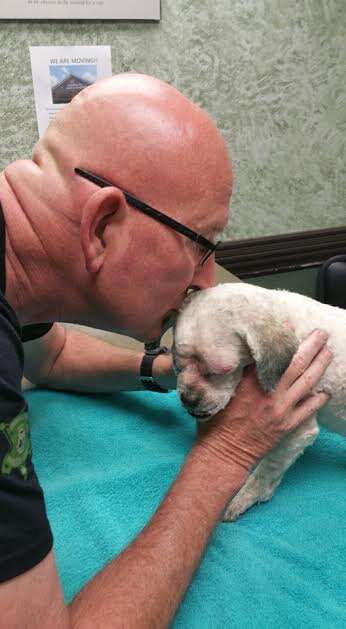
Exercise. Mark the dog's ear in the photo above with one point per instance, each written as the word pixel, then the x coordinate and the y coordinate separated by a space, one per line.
pixel 272 345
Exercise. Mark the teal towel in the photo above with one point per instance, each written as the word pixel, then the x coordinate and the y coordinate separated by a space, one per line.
pixel 105 463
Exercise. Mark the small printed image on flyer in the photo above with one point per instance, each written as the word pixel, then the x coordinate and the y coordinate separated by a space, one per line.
pixel 68 80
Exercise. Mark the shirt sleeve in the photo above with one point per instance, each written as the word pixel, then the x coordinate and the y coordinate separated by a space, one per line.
pixel 25 535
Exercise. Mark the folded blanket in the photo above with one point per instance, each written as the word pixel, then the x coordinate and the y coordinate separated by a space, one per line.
pixel 105 463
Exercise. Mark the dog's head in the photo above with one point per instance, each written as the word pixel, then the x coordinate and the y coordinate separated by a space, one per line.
pixel 218 332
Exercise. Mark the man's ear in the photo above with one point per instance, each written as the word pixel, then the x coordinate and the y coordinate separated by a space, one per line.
pixel 97 214
pixel 272 345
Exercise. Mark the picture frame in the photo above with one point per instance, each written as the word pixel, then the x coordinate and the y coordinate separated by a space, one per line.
pixel 80 10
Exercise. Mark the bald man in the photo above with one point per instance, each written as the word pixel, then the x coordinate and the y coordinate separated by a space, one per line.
pixel 78 243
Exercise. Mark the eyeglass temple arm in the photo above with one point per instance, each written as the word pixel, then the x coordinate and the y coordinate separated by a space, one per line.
pixel 150 211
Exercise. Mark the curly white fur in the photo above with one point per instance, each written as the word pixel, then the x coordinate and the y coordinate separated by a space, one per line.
pixel 221 330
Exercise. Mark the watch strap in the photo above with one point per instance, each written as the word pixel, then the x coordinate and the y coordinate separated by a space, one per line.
pixel 146 368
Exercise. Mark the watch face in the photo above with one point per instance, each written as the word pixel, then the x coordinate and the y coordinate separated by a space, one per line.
pixel 147 380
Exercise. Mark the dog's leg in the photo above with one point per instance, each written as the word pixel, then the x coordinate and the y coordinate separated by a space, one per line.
pixel 263 481
pixel 334 419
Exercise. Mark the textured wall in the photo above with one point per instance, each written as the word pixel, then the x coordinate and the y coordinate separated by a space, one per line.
pixel 270 72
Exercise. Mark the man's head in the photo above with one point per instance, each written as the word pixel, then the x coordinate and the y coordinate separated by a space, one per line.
pixel 129 270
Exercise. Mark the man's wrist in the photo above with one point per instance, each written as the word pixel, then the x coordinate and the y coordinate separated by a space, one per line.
pixel 223 459
pixel 163 371
pixel 217 476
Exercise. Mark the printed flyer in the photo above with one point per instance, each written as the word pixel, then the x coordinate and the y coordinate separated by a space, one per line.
pixel 61 72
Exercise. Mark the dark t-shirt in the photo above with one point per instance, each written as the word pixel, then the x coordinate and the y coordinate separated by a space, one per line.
pixel 25 536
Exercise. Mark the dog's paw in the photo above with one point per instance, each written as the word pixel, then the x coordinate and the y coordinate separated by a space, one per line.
pixel 247 496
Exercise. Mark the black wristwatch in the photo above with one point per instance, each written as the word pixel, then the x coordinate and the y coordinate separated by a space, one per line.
pixel 151 350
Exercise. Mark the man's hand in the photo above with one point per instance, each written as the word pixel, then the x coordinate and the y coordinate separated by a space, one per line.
pixel 255 421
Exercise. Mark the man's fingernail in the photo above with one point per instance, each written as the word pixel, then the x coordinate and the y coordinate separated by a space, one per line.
pixel 322 335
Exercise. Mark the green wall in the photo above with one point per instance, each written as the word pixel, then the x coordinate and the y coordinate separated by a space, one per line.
pixel 270 72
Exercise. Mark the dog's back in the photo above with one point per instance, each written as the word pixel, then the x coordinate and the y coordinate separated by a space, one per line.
pixel 304 315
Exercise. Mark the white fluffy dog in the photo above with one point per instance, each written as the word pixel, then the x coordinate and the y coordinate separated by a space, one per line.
pixel 221 330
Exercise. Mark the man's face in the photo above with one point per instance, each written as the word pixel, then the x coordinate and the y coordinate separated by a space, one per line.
pixel 157 268
pixel 156 265
pixel 169 275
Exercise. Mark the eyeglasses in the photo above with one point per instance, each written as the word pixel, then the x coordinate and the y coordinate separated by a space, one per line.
pixel 208 246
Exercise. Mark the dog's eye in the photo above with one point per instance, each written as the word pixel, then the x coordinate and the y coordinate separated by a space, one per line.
pixel 212 374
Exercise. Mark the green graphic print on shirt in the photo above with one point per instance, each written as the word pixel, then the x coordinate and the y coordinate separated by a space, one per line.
pixel 18 436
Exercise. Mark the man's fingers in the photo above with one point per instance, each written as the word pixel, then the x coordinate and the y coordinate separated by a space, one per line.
pixel 310 377
pixel 307 407
pixel 307 351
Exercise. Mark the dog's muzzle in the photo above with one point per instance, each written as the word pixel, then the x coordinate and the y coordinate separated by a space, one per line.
pixel 191 404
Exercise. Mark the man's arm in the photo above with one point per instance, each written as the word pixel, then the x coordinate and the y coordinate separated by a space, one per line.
pixel 143 586
pixel 65 358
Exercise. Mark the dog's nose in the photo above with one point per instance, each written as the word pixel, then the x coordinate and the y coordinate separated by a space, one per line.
pixel 188 401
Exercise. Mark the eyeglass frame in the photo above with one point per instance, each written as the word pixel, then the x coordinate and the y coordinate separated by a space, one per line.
pixel 155 214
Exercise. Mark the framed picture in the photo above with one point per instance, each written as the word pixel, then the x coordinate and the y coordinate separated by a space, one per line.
pixel 80 9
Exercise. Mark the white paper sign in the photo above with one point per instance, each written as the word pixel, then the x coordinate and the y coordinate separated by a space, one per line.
pixel 60 72
pixel 80 9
